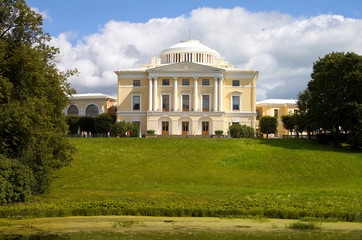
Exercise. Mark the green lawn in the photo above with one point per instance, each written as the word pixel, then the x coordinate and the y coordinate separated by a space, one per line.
pixel 250 176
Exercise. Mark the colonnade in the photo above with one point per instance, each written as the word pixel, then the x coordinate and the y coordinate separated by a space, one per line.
pixel 153 94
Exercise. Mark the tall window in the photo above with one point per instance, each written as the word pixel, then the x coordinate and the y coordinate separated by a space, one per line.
pixel 205 103
pixel 236 103
pixel 205 82
pixel 73 110
pixel 136 83
pixel 185 103
pixel 276 112
pixel 257 114
pixel 165 103
pixel 236 83
pixel 91 111
pixel 136 102
pixel 165 82
pixel 185 82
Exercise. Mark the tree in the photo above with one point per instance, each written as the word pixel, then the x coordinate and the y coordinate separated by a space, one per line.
pixel 288 122
pixel 120 128
pixel 268 125
pixel 238 131
pixel 103 123
pixel 33 94
pixel 335 95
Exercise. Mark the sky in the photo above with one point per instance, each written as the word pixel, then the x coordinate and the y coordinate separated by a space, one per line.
pixel 279 38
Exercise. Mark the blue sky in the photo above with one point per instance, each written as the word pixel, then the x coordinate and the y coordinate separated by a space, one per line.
pixel 84 17
pixel 279 38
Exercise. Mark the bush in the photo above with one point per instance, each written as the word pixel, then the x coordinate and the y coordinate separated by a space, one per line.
pixel 219 132
pixel 103 123
pixel 16 181
pixel 73 123
pixel 238 131
pixel 86 124
pixel 120 128
pixel 268 125
pixel 150 132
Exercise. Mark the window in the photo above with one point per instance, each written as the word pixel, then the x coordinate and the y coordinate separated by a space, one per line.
pixel 205 82
pixel 185 82
pixel 257 114
pixel 276 112
pixel 136 102
pixel 236 103
pixel 185 103
pixel 165 82
pixel 91 110
pixel 72 110
pixel 236 83
pixel 165 103
pixel 136 83
pixel 205 103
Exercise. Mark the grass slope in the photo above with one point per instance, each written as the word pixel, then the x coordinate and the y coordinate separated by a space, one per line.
pixel 205 177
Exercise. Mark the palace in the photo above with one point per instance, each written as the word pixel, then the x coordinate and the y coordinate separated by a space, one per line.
pixel 189 89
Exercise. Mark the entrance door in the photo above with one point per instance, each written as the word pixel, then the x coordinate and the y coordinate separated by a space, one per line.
pixel 165 128
pixel 185 128
pixel 165 103
pixel 205 128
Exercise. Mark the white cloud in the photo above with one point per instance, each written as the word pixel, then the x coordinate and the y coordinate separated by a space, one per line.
pixel 44 14
pixel 280 46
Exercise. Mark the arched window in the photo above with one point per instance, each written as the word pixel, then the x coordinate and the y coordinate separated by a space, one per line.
pixel 73 110
pixel 91 110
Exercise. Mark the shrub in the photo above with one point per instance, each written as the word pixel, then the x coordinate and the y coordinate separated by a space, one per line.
pixel 238 131
pixel 268 124
pixel 304 226
pixel 73 123
pixel 16 181
pixel 120 128
pixel 103 123
pixel 219 132
pixel 150 132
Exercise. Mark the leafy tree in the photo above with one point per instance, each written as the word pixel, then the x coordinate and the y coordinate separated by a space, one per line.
pixel 238 131
pixel 268 125
pixel 120 128
pixel 73 123
pixel 288 122
pixel 335 95
pixel 103 123
pixel 33 94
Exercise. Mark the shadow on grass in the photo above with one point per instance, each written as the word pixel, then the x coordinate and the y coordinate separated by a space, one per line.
pixel 304 144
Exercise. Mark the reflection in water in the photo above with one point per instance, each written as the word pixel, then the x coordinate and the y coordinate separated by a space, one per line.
pixel 191 236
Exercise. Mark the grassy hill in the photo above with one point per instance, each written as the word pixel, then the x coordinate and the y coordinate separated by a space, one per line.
pixel 204 177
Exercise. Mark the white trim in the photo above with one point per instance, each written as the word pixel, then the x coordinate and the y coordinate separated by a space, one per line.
pixel 66 111
pixel 131 86
pixel 135 95
pixel 208 93
pixel 85 108
pixel 185 93
pixel 164 93
pixel 239 87
pixel 235 94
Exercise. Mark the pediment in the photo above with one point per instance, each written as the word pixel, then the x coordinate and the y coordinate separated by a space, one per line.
pixel 185 67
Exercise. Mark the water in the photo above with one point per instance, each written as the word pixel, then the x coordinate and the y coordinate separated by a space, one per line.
pixel 192 236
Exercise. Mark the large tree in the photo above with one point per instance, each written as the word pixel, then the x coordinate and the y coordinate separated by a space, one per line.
pixel 268 125
pixel 33 94
pixel 334 100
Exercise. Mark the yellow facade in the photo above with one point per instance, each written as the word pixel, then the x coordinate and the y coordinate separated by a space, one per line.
pixel 90 104
pixel 189 90
pixel 276 108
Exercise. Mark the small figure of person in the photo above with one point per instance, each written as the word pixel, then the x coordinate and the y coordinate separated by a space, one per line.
pixel 187 135
pixel 128 134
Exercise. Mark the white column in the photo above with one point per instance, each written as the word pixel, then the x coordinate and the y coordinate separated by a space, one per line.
pixel 221 95
pixel 215 94
pixel 155 94
pixel 175 94
pixel 150 94
pixel 195 94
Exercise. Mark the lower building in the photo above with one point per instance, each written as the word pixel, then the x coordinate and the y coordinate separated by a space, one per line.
pixel 275 108
pixel 91 104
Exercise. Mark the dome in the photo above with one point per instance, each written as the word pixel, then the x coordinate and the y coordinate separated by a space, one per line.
pixel 190 51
